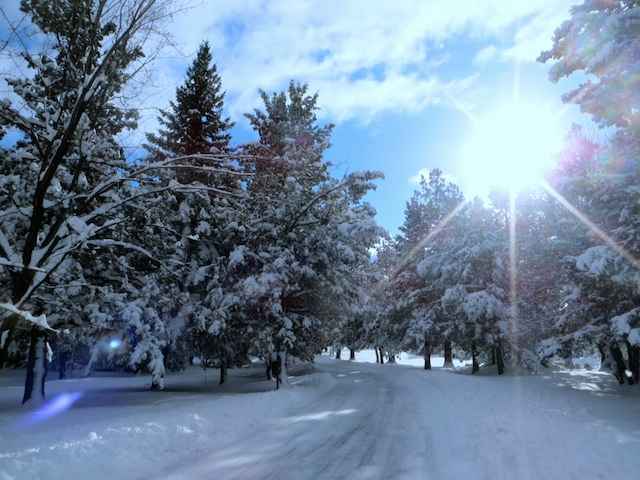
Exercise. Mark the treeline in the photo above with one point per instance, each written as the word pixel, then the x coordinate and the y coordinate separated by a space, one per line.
pixel 547 272
pixel 198 250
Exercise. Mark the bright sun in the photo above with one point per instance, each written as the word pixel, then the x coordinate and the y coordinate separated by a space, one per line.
pixel 511 147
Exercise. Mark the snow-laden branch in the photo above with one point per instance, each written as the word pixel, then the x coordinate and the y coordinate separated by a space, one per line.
pixel 305 209
pixel 199 187
pixel 39 321
pixel 52 261
pixel 170 163
pixel 18 265
pixel 107 243
pixel 104 209
pixel 5 247
pixel 349 181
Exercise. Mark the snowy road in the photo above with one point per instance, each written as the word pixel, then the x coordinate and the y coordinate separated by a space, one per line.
pixel 396 422
pixel 347 420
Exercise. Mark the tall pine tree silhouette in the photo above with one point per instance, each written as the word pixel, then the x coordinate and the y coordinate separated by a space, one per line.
pixel 195 122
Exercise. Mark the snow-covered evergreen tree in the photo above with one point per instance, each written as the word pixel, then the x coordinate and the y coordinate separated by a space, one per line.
pixel 195 122
pixel 600 40
pixel 428 206
pixel 306 232
pixel 62 181
pixel 409 304
pixel 80 222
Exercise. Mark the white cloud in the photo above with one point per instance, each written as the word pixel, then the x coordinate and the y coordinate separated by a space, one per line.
pixel 363 57
pixel 535 36
pixel 485 55
pixel 325 43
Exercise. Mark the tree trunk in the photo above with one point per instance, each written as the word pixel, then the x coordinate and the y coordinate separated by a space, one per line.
pixel 4 357
pixel 634 362
pixel 493 355
pixel 92 359
pixel 284 374
pixel 157 372
pixel 223 371
pixel 620 367
pixel 381 356
pixel 352 354
pixel 375 349
pixel 267 362
pixel 157 382
pixel 499 358
pixel 72 359
pixel 427 353
pixel 5 340
pixel 603 354
pixel 37 367
pixel 475 366
pixel 448 354
pixel 62 365
pixel 338 352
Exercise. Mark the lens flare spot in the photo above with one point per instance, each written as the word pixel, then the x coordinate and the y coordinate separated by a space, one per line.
pixel 57 405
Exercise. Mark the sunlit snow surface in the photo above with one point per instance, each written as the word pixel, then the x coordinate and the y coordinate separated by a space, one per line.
pixel 340 419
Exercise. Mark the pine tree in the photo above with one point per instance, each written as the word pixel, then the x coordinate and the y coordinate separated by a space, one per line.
pixel 306 233
pixel 195 122
pixel 412 321
pixel 600 40
pixel 413 229
pixel 290 139
pixel 430 204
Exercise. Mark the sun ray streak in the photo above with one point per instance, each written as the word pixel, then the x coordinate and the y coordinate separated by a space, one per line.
pixel 516 82
pixel 423 243
pixel 513 264
pixel 601 234
pixel 462 109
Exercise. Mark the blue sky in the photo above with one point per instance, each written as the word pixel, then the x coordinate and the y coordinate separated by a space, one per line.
pixel 395 77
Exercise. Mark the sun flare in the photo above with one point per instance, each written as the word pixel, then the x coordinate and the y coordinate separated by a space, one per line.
pixel 511 147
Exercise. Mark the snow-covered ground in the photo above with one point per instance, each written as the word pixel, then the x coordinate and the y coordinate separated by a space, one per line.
pixel 340 419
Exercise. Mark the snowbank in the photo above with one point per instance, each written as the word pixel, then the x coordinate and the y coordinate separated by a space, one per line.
pixel 114 427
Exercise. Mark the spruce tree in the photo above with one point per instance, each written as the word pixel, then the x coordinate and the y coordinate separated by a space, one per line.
pixel 195 122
